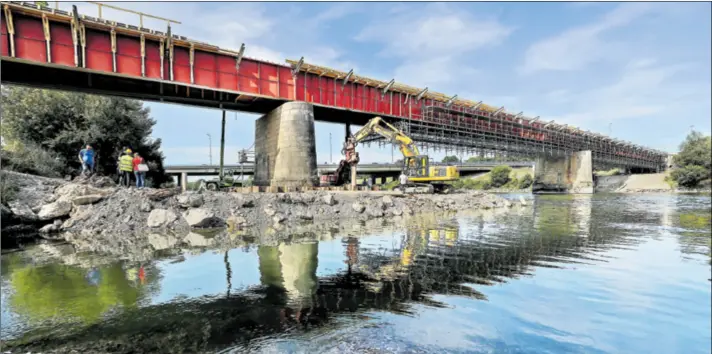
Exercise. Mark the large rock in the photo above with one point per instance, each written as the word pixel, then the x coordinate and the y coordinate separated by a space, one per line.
pixel 54 210
pixel 329 199
pixel 161 217
pixel 387 201
pixel 190 200
pixel 358 207
pixel 87 199
pixel 202 218
pixel 50 228
pixel 22 211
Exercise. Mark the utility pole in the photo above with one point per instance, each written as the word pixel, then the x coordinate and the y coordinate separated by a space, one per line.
pixel 222 146
pixel 210 145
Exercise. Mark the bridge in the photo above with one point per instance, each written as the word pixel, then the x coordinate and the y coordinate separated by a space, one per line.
pixel 373 169
pixel 52 48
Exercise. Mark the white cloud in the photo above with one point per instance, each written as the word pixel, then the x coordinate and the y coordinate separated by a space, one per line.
pixel 581 46
pixel 432 41
pixel 642 91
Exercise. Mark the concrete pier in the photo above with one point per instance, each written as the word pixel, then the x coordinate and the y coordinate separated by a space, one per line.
pixel 566 174
pixel 285 148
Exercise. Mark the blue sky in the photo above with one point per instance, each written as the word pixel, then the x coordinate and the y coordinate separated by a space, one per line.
pixel 641 70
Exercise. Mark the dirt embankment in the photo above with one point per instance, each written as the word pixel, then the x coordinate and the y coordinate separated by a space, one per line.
pixel 95 215
pixel 639 183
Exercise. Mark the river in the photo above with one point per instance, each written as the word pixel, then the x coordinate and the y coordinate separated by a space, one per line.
pixel 566 274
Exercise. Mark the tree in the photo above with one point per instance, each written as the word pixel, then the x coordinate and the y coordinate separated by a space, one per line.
pixel 62 123
pixel 499 175
pixel 694 160
pixel 451 159
pixel 526 181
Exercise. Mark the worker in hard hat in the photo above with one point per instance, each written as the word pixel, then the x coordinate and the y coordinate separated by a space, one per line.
pixel 126 167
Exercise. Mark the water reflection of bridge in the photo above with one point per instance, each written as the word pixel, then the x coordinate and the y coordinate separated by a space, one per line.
pixel 436 256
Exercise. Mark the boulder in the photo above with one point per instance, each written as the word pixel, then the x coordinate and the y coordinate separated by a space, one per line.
pixel 50 228
pixel 387 201
pixel 102 181
pixel 396 212
pixel 87 199
pixel 190 200
pixel 358 207
pixel 202 218
pixel 54 210
pixel 22 211
pixel 161 217
pixel 329 199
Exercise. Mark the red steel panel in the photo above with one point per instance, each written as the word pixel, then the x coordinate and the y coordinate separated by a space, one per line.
pixel 269 75
pixel 415 109
pixel 181 64
pixel 330 93
pixel 153 59
pixel 373 100
pixel 128 55
pixel 301 82
pixel 312 94
pixel 227 72
pixel 29 39
pixel 286 83
pixel 61 44
pixel 204 69
pixel 358 98
pixel 248 77
pixel 4 38
pixel 98 50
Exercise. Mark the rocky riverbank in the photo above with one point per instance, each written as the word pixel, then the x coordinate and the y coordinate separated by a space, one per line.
pixel 96 215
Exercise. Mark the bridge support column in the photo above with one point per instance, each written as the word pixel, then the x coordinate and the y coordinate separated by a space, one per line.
pixel 183 181
pixel 568 174
pixel 285 148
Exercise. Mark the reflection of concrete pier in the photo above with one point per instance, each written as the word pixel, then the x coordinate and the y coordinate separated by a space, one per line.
pixel 292 268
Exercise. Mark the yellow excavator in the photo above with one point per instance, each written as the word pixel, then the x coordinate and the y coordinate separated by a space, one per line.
pixel 423 177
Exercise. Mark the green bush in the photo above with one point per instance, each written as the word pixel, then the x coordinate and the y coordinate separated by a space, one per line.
pixel 8 189
pixel 35 160
pixel 690 176
pixel 526 181
pixel 499 176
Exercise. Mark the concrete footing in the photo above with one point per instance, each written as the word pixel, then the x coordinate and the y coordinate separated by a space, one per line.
pixel 285 148
pixel 567 174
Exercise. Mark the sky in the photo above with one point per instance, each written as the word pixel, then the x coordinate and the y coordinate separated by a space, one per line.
pixel 637 71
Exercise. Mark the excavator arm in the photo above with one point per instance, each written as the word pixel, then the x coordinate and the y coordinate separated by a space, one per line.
pixel 380 127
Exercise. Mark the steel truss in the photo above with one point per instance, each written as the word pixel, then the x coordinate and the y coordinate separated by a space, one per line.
pixel 462 131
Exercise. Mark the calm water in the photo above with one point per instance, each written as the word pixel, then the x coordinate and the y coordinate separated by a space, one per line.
pixel 570 274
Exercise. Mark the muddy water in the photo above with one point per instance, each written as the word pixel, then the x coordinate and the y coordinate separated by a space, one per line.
pixel 600 274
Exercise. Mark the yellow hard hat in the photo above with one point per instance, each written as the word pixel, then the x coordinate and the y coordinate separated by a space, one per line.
pixel 128 151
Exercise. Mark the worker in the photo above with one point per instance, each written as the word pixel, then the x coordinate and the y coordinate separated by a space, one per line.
pixel 118 170
pixel 126 167
pixel 86 158
pixel 403 179
pixel 139 169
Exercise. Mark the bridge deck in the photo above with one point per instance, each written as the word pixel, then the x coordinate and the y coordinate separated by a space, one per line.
pixel 51 48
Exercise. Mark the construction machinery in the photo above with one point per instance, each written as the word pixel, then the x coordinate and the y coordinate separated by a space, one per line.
pixel 423 176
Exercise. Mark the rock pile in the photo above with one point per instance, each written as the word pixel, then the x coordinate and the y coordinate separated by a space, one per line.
pixel 96 215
